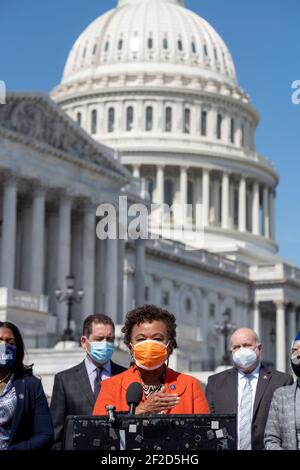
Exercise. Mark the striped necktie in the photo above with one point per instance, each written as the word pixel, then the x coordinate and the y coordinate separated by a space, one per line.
pixel 245 412
pixel 97 381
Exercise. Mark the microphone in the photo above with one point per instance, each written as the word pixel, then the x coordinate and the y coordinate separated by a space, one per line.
pixel 134 395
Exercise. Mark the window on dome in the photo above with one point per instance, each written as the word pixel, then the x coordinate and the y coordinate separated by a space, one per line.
pixel 219 126
pixel 111 120
pixel 150 43
pixel 94 49
pixel 168 126
pixel 194 49
pixel 204 123
pixel 168 192
pixel 242 135
pixel 106 47
pixel 216 53
pixel 165 43
pixel 179 45
pixel 205 50
pixel 94 122
pixel 78 118
pixel 187 121
pixel 84 53
pixel 149 118
pixel 129 118
pixel 120 44
pixel 232 129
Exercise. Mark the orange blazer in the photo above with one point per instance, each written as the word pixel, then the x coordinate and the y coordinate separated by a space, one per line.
pixel 113 392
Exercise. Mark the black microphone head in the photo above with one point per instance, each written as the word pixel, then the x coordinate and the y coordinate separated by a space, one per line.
pixel 134 394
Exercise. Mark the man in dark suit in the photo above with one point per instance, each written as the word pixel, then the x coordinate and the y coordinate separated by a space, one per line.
pixel 75 390
pixel 246 389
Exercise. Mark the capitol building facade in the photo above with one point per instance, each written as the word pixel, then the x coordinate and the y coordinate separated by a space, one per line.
pixel 149 107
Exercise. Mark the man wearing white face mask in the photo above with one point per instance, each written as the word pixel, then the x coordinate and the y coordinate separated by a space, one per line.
pixel 246 389
pixel 75 390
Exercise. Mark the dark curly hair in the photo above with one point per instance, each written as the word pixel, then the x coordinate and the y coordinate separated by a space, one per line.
pixel 19 369
pixel 150 313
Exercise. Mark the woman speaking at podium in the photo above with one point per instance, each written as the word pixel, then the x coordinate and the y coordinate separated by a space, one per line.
pixel 150 335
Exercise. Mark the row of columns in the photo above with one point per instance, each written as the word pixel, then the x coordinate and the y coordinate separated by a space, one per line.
pixel 266 226
pixel 114 253
pixel 286 329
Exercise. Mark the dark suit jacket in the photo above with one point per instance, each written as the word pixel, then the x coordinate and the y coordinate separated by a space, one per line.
pixel 32 425
pixel 72 395
pixel 222 395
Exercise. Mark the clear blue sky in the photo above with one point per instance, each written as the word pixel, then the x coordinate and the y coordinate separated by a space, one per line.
pixel 264 39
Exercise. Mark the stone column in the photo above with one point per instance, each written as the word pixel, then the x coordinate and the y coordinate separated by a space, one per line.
pixel 38 242
pixel 88 260
pixel 205 196
pixel 160 184
pixel 257 319
pixel 280 336
pixel 266 215
pixel 225 200
pixel 8 245
pixel 121 258
pixel 140 272
pixel 255 210
pixel 111 291
pixel 242 204
pixel 136 171
pixel 128 294
pixel 64 254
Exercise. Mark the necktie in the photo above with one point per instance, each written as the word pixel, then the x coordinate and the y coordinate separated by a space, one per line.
pixel 245 421
pixel 97 382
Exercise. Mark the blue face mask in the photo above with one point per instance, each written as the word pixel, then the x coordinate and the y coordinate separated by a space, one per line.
pixel 8 353
pixel 101 351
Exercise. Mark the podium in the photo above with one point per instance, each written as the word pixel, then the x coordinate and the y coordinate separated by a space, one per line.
pixel 151 432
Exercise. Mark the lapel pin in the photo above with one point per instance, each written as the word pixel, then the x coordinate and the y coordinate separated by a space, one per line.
pixel 265 376
pixel 172 387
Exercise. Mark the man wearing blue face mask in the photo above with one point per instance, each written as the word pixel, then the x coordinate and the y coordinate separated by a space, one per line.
pixel 246 389
pixel 75 390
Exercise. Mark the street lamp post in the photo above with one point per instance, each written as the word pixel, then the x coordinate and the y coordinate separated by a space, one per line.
pixel 69 296
pixel 225 329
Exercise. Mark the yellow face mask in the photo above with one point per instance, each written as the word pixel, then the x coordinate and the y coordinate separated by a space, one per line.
pixel 150 354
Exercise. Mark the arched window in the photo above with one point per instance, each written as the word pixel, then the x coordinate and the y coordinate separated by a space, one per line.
pixel 216 54
pixel 179 45
pixel 150 43
pixel 168 123
pixel 165 43
pixel 204 123
pixel 188 304
pixel 205 50
pixel 232 129
pixel 149 118
pixel 168 192
pixel 94 122
pixel 94 49
pixel 219 126
pixel 187 121
pixel 84 53
pixel 111 120
pixel 78 118
pixel 129 118
pixel 120 44
pixel 194 49
pixel 106 47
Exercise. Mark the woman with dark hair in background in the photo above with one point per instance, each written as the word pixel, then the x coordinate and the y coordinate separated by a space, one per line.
pixel 25 421
pixel 150 335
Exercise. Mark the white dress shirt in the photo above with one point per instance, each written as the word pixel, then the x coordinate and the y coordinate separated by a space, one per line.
pixel 241 385
pixel 92 371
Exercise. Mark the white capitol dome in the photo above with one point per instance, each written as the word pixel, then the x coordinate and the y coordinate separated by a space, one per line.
pixel 156 33
pixel 154 81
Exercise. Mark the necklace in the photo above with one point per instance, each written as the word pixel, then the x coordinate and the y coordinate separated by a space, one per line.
pixel 4 378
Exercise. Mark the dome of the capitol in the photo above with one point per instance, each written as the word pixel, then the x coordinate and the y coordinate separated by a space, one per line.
pixel 150 34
